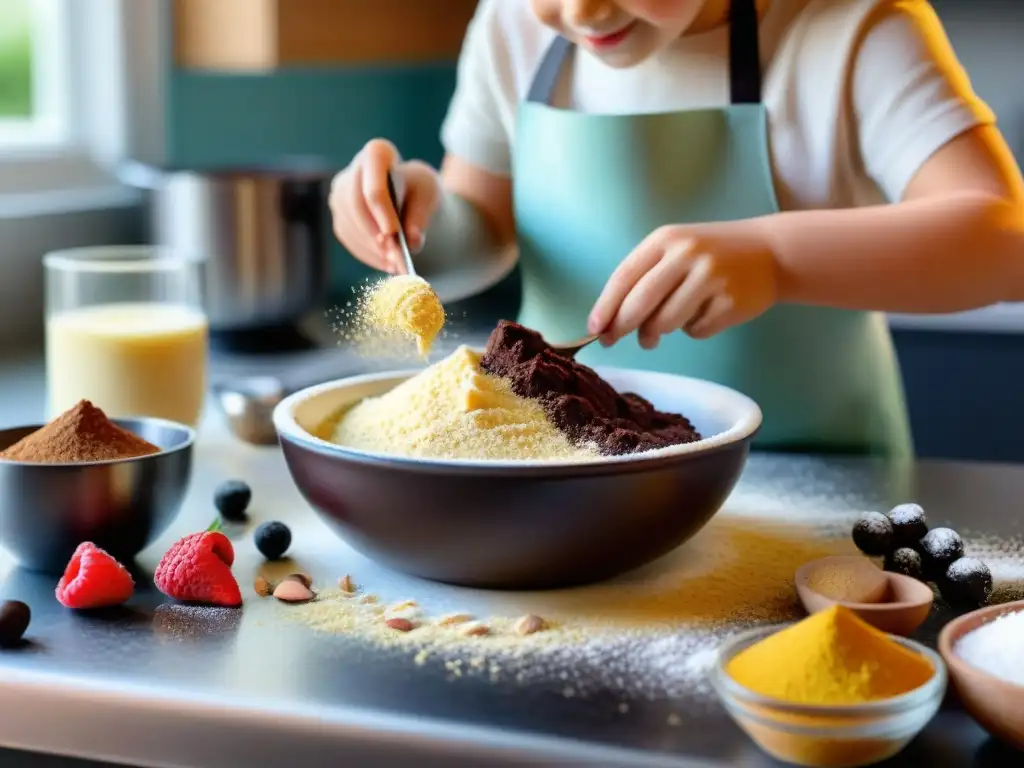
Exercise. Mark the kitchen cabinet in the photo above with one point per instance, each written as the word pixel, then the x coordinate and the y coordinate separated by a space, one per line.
pixel 262 35
pixel 964 393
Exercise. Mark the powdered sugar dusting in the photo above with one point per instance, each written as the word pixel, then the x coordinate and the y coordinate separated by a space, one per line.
pixel 1004 558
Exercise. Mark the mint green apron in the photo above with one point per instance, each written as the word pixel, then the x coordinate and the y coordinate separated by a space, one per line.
pixel 589 188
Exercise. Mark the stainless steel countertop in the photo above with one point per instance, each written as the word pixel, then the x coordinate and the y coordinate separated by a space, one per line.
pixel 149 686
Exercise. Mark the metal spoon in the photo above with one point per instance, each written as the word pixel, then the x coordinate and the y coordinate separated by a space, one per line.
pixel 402 242
pixel 571 348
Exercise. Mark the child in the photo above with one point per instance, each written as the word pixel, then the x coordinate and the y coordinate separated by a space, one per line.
pixel 732 191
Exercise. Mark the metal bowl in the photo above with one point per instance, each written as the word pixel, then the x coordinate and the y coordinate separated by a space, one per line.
pixel 528 524
pixel 122 506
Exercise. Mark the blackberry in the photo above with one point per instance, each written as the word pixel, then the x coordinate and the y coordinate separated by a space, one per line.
pixel 908 525
pixel 967 583
pixel 14 619
pixel 939 548
pixel 273 539
pixel 906 561
pixel 232 499
pixel 873 534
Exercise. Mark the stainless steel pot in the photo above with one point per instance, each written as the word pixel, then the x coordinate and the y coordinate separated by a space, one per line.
pixel 263 234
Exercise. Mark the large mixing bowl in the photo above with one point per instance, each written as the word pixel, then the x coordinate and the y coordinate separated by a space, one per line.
pixel 520 525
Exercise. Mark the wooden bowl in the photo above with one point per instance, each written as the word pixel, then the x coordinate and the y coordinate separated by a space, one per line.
pixel 997 705
pixel 905 604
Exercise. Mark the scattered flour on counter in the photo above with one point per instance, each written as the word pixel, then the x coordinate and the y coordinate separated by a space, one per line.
pixel 180 621
pixel 653 634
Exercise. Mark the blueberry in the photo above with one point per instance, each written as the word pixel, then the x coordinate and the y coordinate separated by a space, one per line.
pixel 14 619
pixel 967 583
pixel 939 548
pixel 273 539
pixel 908 525
pixel 232 498
pixel 873 534
pixel 906 561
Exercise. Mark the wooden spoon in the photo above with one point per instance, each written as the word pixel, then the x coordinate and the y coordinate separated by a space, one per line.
pixel 891 602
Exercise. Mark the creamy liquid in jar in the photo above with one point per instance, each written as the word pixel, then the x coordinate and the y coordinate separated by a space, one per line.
pixel 131 359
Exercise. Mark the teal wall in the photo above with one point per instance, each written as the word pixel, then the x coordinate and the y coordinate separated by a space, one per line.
pixel 234 119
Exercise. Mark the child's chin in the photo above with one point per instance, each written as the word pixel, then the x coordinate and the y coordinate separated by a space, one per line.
pixel 636 48
pixel 622 59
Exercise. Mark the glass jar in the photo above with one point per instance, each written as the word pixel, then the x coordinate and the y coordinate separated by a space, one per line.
pixel 125 329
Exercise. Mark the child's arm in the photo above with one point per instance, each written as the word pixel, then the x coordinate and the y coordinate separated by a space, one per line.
pixel 953 238
pixel 955 242
pixel 489 195
pixel 475 213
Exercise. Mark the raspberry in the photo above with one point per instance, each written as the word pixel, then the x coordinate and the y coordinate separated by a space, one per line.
pixel 93 579
pixel 197 569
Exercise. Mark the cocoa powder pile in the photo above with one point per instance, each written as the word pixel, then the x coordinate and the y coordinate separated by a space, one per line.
pixel 79 435
pixel 580 403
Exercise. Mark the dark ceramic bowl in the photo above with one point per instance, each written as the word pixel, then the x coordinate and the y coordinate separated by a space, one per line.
pixel 520 524
pixel 122 506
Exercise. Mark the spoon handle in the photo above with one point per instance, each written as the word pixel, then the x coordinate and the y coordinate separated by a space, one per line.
pixel 402 242
pixel 570 349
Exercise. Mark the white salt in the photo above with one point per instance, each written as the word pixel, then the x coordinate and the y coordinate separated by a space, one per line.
pixel 997 647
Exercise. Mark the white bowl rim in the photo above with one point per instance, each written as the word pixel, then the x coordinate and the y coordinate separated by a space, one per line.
pixel 748 421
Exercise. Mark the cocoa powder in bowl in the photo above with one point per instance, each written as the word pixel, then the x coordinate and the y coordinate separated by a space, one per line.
pixel 79 435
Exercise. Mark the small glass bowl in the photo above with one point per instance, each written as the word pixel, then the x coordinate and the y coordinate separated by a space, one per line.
pixel 834 736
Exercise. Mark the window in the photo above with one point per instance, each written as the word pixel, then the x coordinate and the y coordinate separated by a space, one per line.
pixel 34 74
pixel 71 71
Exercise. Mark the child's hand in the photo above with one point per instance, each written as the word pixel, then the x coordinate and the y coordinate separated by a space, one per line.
pixel 364 219
pixel 701 279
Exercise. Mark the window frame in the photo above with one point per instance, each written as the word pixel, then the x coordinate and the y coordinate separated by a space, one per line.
pixel 51 65
pixel 108 99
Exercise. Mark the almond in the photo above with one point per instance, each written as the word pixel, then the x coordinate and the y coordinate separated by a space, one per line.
pixel 262 587
pixel 293 591
pixel 474 629
pixel 527 625
pixel 400 624
pixel 451 619
pixel 346 585
pixel 402 606
pixel 303 578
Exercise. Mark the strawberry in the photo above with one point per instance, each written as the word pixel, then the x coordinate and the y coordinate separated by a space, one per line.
pixel 197 569
pixel 93 579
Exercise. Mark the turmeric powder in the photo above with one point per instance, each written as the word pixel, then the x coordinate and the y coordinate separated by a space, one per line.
pixel 830 658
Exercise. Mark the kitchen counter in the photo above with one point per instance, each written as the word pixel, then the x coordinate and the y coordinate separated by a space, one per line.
pixel 153 685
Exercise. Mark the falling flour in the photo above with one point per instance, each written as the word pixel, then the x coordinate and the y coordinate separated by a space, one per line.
pixel 386 314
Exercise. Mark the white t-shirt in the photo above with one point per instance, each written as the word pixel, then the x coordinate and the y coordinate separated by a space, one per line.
pixel 860 93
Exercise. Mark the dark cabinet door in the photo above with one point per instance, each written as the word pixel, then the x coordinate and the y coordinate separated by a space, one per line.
pixel 965 393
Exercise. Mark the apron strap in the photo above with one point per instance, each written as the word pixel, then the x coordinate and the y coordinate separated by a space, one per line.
pixel 744 60
pixel 744 53
pixel 542 89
